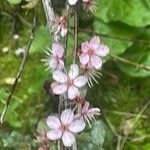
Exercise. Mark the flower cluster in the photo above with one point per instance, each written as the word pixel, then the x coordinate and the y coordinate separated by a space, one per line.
pixel 59 23
pixel 70 84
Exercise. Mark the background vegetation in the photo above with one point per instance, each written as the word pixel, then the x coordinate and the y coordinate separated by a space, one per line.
pixel 123 92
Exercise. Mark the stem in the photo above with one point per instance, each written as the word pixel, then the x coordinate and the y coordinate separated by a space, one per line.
pixel 49 12
pixel 117 58
pixel 125 113
pixel 20 70
pixel 75 32
pixel 66 37
pixel 123 38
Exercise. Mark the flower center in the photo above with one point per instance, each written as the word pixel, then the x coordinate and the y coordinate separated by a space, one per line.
pixel 90 52
pixel 64 127
pixel 70 82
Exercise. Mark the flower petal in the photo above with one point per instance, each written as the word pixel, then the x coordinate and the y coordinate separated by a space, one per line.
pixel 72 2
pixel 93 111
pixel 63 32
pixel 73 92
pixel 59 76
pixel 103 50
pixel 53 122
pixel 59 89
pixel 85 0
pixel 85 107
pixel 80 81
pixel 68 139
pixel 52 63
pixel 96 62
pixel 57 50
pixel 74 71
pixel 85 47
pixel 67 116
pixel 94 42
pixel 54 134
pixel 61 64
pixel 84 58
pixel 77 126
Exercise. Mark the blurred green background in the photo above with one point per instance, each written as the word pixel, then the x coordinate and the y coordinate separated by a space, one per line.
pixel 123 90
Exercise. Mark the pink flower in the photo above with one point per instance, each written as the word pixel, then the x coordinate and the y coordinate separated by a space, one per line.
pixel 60 25
pixel 89 113
pixel 55 57
pixel 89 5
pixel 65 127
pixel 68 83
pixel 91 52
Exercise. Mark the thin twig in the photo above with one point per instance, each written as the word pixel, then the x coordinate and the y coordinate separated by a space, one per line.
pixel 24 21
pixel 75 32
pixel 138 139
pixel 117 58
pixel 89 31
pixel 127 61
pixel 111 127
pixel 118 143
pixel 123 38
pixel 6 14
pixel 9 98
pixel 125 113
pixel 66 37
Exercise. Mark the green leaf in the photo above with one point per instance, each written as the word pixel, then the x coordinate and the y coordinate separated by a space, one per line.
pixel 117 46
pixel 147 147
pixel 85 142
pixel 41 40
pixel 95 138
pixel 139 54
pixel 98 133
pixel 14 2
pixel 132 12
pixel 38 78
